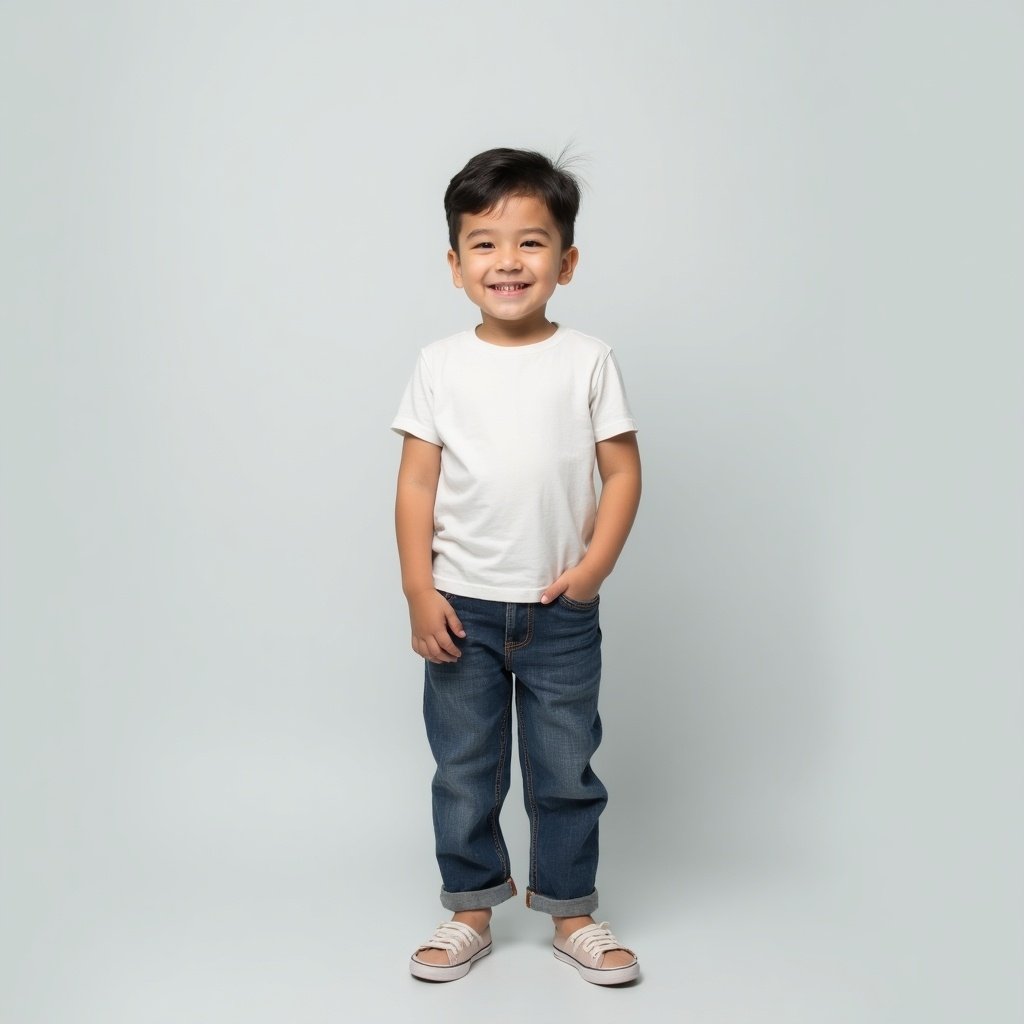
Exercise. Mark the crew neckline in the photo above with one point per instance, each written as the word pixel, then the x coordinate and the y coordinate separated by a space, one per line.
pixel 533 346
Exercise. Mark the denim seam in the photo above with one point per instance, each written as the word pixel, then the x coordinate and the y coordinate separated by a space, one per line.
pixel 528 773
pixel 497 789
pixel 515 645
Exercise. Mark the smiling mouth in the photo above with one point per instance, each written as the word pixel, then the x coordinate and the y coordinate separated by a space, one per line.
pixel 509 289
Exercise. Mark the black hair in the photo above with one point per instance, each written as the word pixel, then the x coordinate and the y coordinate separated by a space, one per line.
pixel 496 174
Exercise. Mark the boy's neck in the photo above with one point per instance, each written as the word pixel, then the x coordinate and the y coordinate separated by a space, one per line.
pixel 515 332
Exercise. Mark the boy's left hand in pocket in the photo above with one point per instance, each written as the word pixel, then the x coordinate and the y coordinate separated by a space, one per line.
pixel 576 583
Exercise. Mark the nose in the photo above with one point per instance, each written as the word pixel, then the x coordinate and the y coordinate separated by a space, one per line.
pixel 508 258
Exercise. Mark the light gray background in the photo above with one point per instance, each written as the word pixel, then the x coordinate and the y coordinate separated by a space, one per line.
pixel 223 245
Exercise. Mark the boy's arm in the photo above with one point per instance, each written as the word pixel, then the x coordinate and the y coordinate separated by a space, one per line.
pixel 618 462
pixel 430 614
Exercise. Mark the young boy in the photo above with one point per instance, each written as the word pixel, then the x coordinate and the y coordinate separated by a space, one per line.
pixel 503 551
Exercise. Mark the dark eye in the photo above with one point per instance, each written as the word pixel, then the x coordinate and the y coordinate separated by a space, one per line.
pixel 483 245
pixel 534 242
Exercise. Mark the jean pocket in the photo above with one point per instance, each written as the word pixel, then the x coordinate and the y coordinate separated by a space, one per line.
pixel 579 606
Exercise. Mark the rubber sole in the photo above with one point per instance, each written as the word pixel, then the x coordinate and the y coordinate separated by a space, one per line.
pixel 435 972
pixel 600 975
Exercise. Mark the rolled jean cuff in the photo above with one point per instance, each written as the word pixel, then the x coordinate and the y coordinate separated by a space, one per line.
pixel 580 907
pixel 479 898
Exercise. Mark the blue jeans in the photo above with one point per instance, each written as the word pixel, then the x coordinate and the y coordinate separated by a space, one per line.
pixel 548 658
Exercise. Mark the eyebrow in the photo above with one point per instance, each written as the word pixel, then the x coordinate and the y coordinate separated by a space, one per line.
pixel 525 231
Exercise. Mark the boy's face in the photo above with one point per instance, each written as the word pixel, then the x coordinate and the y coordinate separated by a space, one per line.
pixel 510 260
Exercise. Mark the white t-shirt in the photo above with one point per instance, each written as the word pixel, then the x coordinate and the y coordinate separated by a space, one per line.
pixel 517 426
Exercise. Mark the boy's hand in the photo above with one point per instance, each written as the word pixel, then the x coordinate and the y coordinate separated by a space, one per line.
pixel 431 617
pixel 577 583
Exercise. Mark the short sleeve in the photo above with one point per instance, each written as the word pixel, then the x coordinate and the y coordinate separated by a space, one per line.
pixel 609 407
pixel 416 410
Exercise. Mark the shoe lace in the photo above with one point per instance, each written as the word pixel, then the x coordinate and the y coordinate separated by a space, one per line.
pixel 595 939
pixel 452 937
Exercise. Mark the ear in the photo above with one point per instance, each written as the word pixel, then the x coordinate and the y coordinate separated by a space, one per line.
pixel 570 258
pixel 456 268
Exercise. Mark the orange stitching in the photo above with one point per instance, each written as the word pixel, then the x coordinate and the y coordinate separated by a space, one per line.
pixel 528 779
pixel 497 785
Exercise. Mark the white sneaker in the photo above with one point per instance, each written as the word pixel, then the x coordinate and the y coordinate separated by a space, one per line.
pixel 585 950
pixel 463 945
